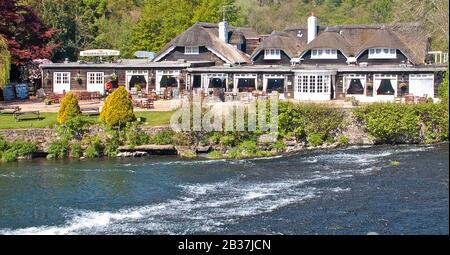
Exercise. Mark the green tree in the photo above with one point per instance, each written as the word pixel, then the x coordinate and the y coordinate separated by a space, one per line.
pixel 5 63
pixel 118 108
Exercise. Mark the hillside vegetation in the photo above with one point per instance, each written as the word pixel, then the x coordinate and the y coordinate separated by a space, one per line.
pixel 131 25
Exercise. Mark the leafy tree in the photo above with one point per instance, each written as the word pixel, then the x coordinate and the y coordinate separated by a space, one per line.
pixel 69 108
pixel 164 20
pixel 5 59
pixel 118 108
pixel 28 38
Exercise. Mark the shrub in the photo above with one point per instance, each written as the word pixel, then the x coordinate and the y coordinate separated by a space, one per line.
pixel 112 146
pixel 302 120
pixel 443 89
pixel 136 137
pixel 248 147
pixel 76 151
pixel 58 149
pixel 315 139
pixel 278 146
pixel 163 137
pixel 118 108
pixel 69 108
pixel 9 156
pixel 215 155
pixel 398 123
pixel 3 144
pixel 227 140
pixel 94 149
pixel 343 140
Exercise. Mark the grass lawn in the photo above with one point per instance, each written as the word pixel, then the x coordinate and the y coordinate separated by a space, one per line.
pixel 7 121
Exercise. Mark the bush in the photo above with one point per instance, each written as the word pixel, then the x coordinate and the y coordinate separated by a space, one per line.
pixel 112 146
pixel 249 147
pixel 136 137
pixel 278 146
pixel 163 137
pixel 443 89
pixel 215 155
pixel 69 108
pixel 315 140
pixel 76 151
pixel 94 149
pixel 118 108
pixel 58 149
pixel 10 151
pixel 398 123
pixel 227 140
pixel 302 120
pixel 343 140
pixel 9 156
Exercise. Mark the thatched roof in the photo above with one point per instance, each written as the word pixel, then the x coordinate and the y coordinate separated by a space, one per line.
pixel 411 38
pixel 281 40
pixel 331 39
pixel 206 34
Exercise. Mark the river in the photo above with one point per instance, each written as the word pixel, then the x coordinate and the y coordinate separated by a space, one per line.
pixel 345 191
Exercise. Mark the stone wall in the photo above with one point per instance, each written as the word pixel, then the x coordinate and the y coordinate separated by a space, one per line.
pixel 40 136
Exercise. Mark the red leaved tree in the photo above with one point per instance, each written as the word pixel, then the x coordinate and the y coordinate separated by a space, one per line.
pixel 27 36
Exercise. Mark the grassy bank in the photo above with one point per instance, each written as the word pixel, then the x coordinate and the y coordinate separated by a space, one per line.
pixel 48 120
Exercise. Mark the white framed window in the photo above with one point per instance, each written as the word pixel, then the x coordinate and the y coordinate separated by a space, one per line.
pixel 62 78
pixel 272 54
pixel 382 53
pixel 96 78
pixel 61 82
pixel 324 54
pixel 312 83
pixel 191 50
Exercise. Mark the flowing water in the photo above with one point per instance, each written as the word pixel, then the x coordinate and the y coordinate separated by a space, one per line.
pixel 349 191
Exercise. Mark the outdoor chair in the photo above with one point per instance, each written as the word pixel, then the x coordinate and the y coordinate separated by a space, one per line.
pixel 168 94
pixel 148 104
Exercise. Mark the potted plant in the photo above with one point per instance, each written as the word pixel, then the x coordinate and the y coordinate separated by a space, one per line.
pixel 403 86
pixel 114 77
pixel 79 80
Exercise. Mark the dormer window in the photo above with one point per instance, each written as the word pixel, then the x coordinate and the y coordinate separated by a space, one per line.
pixel 324 54
pixel 382 53
pixel 191 50
pixel 272 54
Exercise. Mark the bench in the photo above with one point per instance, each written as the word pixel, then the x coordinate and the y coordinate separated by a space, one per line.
pixel 90 111
pixel 20 115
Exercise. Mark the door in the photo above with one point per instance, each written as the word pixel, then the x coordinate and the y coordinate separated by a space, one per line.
pixel 61 82
pixel 95 82
pixel 421 85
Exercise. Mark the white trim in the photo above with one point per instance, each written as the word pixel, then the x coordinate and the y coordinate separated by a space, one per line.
pixel 377 82
pixel 322 53
pixel 161 73
pixel 379 53
pixel 219 55
pixel 61 84
pixel 244 76
pixel 346 83
pixel 163 54
pixel 266 78
pixel 130 73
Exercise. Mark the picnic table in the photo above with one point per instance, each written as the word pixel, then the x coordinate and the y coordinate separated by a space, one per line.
pixel 19 115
